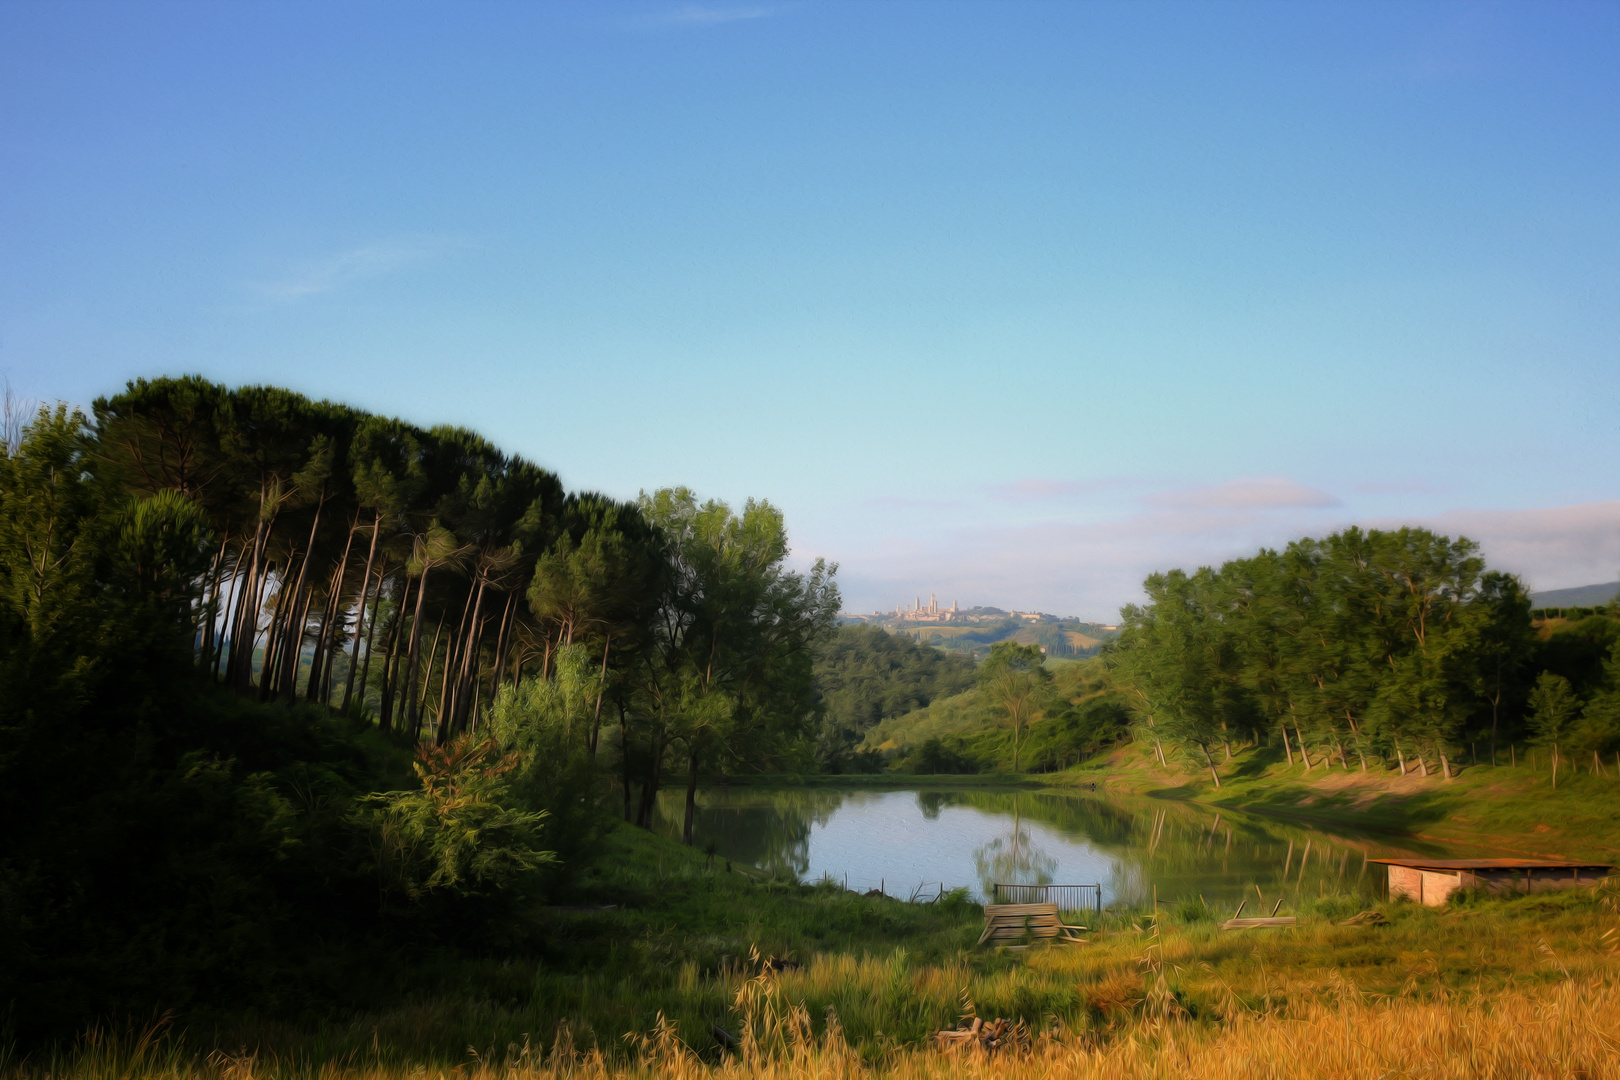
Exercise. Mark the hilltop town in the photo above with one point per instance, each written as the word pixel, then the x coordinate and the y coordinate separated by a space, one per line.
pixel 973 630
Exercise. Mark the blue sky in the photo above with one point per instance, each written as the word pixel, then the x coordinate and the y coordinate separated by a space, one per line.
pixel 1008 302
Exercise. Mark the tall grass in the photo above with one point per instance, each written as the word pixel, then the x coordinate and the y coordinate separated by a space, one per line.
pixel 1561 1031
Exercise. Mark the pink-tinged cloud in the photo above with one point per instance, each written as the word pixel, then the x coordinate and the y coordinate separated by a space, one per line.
pixel 1256 493
pixel 1036 489
pixel 1400 487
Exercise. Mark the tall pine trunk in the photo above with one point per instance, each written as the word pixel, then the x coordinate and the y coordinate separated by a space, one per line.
pixel 293 646
pixel 223 651
pixel 413 717
pixel 371 635
pixel 419 696
pixel 320 668
pixel 452 665
pixel 467 678
pixel 391 659
pixel 272 640
pixel 244 601
pixel 211 605
pixel 503 642
pixel 360 610
pixel 294 652
pixel 624 757
pixel 601 685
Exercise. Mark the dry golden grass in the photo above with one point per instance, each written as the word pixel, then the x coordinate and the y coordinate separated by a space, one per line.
pixel 1567 1030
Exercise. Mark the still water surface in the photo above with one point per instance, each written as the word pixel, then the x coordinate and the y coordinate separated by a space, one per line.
pixel 908 841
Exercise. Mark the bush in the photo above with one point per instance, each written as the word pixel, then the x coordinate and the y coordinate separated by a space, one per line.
pixel 1192 910
pixel 935 756
pixel 1339 906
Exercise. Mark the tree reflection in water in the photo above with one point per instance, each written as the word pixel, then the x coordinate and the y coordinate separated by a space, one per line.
pixel 764 828
pixel 976 836
pixel 1013 859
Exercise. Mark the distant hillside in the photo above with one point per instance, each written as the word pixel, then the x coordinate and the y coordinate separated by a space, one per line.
pixel 866 675
pixel 971 632
pixel 1061 638
pixel 1579 596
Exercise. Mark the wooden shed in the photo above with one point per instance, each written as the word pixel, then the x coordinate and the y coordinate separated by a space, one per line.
pixel 1432 881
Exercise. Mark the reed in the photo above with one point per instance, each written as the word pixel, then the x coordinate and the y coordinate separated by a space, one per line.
pixel 1559 1031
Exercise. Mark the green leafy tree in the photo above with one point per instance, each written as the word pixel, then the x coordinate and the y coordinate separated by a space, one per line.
pixel 1600 717
pixel 1180 661
pixel 1498 641
pixel 1418 586
pixel 1014 677
pixel 1553 710
pixel 729 673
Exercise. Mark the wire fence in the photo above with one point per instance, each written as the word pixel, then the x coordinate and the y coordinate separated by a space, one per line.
pixel 1076 898
pixel 1086 898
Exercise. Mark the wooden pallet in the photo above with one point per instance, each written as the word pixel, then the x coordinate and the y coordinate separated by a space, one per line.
pixel 1005 924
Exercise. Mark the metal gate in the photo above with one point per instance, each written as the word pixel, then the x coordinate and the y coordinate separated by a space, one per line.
pixel 1086 898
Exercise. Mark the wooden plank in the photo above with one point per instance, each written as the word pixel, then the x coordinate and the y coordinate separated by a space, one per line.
pixel 1257 924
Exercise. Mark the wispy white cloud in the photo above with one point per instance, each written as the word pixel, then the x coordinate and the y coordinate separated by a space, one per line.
pixel 1257 493
pixel 357 264
pixel 701 14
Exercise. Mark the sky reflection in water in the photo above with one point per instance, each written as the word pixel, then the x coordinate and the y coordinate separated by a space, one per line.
pixel 904 841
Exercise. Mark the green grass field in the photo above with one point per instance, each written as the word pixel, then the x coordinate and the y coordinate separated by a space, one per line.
pixel 1514 809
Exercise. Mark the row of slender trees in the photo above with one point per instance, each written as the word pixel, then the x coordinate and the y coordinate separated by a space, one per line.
pixel 409 573
pixel 1387 643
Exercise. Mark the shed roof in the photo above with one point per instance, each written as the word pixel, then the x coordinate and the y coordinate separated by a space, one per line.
pixel 1496 864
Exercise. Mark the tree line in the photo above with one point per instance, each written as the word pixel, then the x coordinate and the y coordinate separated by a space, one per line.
pixel 363 563
pixel 275 671
pixel 1399 646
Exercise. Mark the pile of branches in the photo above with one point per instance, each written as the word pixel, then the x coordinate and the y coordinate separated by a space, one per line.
pixel 986 1035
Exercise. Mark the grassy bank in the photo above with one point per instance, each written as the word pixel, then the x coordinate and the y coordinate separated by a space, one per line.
pixel 1516 810
pixel 663 938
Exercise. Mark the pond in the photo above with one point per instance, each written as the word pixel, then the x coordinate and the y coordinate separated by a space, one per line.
pixel 916 842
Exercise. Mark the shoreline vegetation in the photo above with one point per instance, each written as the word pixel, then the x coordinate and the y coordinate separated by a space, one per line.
pixel 1512 808
pixel 339 741
pixel 663 946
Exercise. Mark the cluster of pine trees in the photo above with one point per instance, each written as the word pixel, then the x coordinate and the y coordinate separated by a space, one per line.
pixel 1395 645
pixel 280 677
